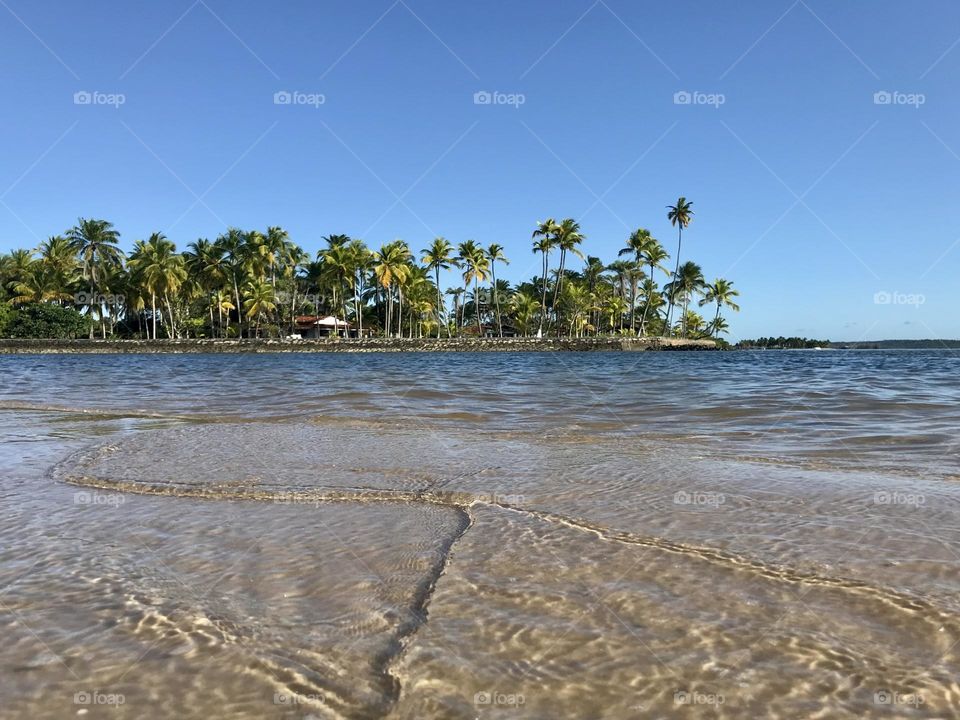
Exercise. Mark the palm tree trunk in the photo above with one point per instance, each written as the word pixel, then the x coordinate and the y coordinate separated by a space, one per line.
pixel 543 295
pixel 716 319
pixel 170 329
pixel 236 293
pixel 476 302
pixel 675 272
pixel 153 312
pixel 496 298
pixel 440 304
pixel 556 289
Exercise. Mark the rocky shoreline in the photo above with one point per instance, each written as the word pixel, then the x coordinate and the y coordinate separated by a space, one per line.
pixel 55 347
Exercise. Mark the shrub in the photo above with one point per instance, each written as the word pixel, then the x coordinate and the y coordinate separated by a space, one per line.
pixel 43 320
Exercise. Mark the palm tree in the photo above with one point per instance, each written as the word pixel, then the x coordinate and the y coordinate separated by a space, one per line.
pixel 495 255
pixel 160 270
pixel 722 293
pixel 59 258
pixel 456 292
pixel 641 244
pixel 523 307
pixel 338 260
pixel 654 256
pixel 391 268
pixel 437 257
pixel 567 236
pixel 232 246
pixel 680 216
pixel 39 283
pixel 544 240
pixel 275 243
pixel 688 281
pixel 475 265
pixel 259 298
pixel 95 241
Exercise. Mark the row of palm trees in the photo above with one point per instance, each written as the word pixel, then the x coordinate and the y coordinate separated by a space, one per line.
pixel 256 283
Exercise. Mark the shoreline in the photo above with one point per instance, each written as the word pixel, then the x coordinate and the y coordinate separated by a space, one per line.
pixel 366 345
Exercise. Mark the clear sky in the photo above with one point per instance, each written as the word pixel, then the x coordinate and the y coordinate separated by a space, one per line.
pixel 812 196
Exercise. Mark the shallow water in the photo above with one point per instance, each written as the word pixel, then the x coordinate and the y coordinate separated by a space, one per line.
pixel 611 535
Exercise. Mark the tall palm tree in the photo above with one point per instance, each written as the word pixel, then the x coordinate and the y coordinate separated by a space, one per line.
pixel 680 216
pixel 689 280
pixel 567 236
pixel 233 247
pixel 359 263
pixel 654 256
pixel 59 258
pixel 160 270
pixel 476 265
pixel 544 240
pixel 639 245
pixel 391 268
pixel 437 257
pixel 258 299
pixel 95 241
pixel 275 242
pixel 494 255
pixel 722 293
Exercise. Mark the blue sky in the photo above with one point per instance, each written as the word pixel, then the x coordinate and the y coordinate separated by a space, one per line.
pixel 829 211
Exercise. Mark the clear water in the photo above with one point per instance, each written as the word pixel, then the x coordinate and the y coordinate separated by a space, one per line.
pixel 610 535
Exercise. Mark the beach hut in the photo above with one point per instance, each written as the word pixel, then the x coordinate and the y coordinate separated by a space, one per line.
pixel 314 326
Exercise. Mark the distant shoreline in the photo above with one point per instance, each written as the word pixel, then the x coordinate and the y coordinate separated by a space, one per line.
pixel 366 345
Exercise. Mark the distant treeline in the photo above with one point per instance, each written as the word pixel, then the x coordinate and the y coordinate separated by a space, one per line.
pixel 900 345
pixel 781 343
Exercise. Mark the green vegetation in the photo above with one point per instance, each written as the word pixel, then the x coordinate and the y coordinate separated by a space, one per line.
pixel 44 320
pixel 248 283
pixel 781 343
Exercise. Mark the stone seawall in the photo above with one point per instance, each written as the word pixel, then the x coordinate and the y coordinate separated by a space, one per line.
pixel 54 347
